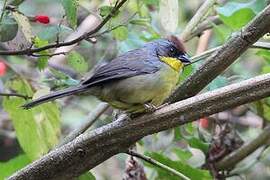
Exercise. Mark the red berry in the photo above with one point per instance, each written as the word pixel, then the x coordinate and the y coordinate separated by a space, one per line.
pixel 42 19
pixel 204 123
pixel 3 68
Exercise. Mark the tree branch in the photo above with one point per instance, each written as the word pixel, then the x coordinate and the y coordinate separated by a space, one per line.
pixel 232 159
pixel 197 18
pixel 157 164
pixel 206 24
pixel 90 34
pixel 90 149
pixel 224 56
pixel 16 95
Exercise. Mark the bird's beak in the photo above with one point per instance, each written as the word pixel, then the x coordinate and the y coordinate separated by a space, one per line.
pixel 184 58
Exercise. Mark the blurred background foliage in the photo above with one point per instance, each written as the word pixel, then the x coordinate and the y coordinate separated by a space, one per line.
pixel 27 135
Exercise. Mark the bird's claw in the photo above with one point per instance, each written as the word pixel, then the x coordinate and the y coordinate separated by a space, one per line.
pixel 151 108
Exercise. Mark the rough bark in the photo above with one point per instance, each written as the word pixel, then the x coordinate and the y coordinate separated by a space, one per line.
pixel 89 150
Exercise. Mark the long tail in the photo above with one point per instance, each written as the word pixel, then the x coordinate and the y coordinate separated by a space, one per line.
pixel 55 95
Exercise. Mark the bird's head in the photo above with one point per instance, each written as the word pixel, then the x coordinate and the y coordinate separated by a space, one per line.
pixel 172 52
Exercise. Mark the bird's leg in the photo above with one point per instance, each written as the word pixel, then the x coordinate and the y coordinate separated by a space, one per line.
pixel 151 107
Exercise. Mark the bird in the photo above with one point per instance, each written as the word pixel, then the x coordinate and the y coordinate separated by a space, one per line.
pixel 134 82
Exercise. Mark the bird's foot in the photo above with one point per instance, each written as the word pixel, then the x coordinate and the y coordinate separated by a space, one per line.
pixel 151 108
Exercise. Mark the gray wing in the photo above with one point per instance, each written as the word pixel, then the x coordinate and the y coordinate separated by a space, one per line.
pixel 132 63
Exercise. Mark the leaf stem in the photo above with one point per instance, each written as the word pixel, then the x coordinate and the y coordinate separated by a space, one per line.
pixel 158 164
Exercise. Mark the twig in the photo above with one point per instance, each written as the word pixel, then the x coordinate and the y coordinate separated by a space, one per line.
pixel 16 95
pixel 3 10
pixel 90 149
pixel 206 24
pixel 197 18
pixel 232 159
pixel 157 164
pixel 205 54
pixel 224 56
pixel 48 55
pixel 93 117
pixel 30 51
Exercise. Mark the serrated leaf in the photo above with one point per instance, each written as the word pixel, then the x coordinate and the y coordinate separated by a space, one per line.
pixel 181 167
pixel 77 62
pixel 120 33
pixel 70 7
pixel 237 14
pixel 8 28
pixel 168 15
pixel 37 129
pixel 11 166
pixel 24 25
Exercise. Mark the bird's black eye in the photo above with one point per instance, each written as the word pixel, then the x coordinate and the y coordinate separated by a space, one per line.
pixel 173 51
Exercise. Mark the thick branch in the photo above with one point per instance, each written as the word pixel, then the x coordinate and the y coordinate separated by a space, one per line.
pixel 90 34
pixel 232 159
pixel 224 57
pixel 89 150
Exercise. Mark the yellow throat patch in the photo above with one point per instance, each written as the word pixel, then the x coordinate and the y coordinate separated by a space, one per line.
pixel 176 64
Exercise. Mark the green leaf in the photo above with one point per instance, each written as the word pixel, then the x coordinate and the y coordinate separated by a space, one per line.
pixel 151 2
pixel 8 28
pixel 37 129
pixel 183 155
pixel 77 62
pixel 43 60
pixel 87 176
pixel 50 33
pixel 105 10
pixel 120 33
pixel 265 69
pixel 70 7
pixel 237 14
pixel 141 22
pixel 186 72
pixel 24 25
pixel 177 134
pixel 8 168
pixel 197 143
pixel 222 32
pixel 181 167
pixel 265 54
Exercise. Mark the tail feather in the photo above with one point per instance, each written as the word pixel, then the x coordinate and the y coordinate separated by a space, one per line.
pixel 54 95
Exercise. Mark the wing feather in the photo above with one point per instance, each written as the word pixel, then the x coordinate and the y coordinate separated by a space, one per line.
pixel 132 63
